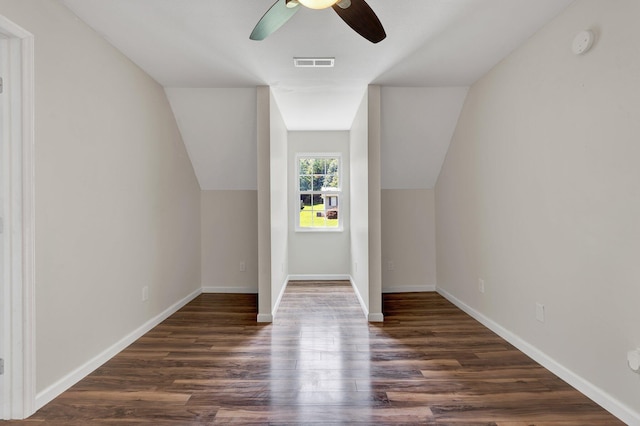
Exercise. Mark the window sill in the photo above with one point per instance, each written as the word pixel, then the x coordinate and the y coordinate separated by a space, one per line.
pixel 320 230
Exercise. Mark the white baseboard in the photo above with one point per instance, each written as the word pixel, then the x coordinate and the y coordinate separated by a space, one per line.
pixel 375 317
pixel 369 316
pixel 279 299
pixel 48 394
pixel 409 289
pixel 600 397
pixel 320 277
pixel 231 289
pixel 265 318
pixel 365 311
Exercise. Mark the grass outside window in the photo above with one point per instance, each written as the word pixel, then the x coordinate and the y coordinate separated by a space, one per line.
pixel 309 217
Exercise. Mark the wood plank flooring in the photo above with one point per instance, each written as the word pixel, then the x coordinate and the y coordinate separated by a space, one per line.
pixel 321 362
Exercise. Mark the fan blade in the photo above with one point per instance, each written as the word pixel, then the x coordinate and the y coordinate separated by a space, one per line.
pixel 362 19
pixel 276 16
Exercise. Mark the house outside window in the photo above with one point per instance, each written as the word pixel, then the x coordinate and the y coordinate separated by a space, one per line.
pixel 318 192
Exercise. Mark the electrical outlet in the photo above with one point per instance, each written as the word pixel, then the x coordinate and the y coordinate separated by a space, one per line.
pixel 633 358
pixel 145 293
pixel 540 312
pixel 391 266
pixel 243 266
pixel 480 285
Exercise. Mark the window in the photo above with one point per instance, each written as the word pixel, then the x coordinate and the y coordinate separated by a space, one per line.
pixel 318 192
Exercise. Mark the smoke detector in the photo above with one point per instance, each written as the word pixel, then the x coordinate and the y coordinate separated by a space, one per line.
pixel 583 42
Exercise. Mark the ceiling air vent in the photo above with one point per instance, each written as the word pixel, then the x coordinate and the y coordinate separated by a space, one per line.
pixel 314 62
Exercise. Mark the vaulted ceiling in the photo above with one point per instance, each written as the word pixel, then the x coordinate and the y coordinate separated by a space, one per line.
pixel 205 44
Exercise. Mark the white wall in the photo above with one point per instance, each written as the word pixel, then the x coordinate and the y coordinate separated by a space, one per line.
pixel 359 203
pixel 279 203
pixel 319 253
pixel 219 128
pixel 375 205
pixel 408 240
pixel 539 196
pixel 263 142
pixel 366 239
pixel 229 238
pixel 117 201
pixel 417 124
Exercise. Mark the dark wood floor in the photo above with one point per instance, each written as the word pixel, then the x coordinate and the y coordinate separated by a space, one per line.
pixel 321 362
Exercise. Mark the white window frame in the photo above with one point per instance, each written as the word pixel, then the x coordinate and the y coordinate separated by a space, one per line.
pixel 339 192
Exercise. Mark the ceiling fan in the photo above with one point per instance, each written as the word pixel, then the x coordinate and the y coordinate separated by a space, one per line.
pixel 356 13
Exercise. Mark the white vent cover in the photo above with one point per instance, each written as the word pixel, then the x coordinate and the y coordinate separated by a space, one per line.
pixel 314 62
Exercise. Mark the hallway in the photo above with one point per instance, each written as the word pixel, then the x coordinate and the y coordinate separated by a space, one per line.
pixel 321 362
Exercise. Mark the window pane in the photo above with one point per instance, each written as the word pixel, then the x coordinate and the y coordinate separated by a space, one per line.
pixel 319 220
pixel 305 183
pixel 305 166
pixel 318 203
pixel 305 200
pixel 331 201
pixel 320 166
pixel 331 207
pixel 306 210
pixel 332 166
pixel 331 181
pixel 332 217
pixel 319 185
pixel 318 182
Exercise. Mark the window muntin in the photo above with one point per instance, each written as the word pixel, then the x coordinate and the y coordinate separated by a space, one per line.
pixel 318 192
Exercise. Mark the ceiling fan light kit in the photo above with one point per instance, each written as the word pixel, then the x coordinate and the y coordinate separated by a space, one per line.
pixel 317 4
pixel 355 13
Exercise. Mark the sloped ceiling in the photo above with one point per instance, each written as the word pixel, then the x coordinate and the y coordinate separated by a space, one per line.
pixel 218 126
pixel 417 126
pixel 200 51
pixel 205 43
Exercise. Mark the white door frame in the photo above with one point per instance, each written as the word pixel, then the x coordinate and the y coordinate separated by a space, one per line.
pixel 18 323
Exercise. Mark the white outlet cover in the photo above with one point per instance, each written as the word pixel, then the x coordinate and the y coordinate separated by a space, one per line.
pixel 633 358
pixel 540 312
pixel 583 42
pixel 145 293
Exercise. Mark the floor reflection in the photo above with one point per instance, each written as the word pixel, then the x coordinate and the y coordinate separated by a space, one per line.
pixel 326 328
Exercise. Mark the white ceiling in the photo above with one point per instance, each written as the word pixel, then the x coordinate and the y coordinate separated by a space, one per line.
pixel 205 44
